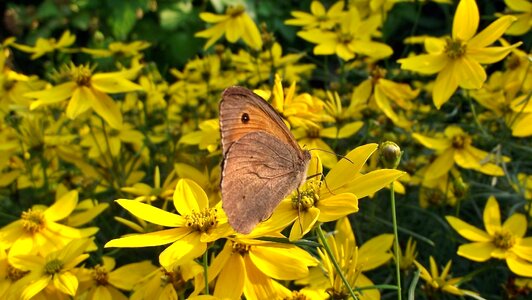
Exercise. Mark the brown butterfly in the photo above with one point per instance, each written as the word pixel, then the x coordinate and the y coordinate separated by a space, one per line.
pixel 262 162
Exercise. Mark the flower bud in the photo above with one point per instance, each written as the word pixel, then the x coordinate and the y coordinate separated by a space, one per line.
pixel 390 154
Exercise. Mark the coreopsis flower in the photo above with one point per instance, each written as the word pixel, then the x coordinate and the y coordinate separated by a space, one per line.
pixel 105 282
pixel 458 59
pixel 353 261
pixel 38 230
pixel 455 146
pixel 506 241
pixel 333 197
pixel 9 275
pixel 246 266
pixel 43 46
pixel 169 282
pixel 352 37
pixel 85 90
pixel 318 16
pixel 235 24
pixel 56 269
pixel 441 282
pixel 196 225
pixel 522 10
pixel 408 258
pixel 119 49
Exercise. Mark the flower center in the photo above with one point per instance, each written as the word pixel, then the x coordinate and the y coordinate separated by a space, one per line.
pixel 459 141
pixel 174 278
pixel 33 220
pixel 235 11
pixel 513 62
pixel 345 38
pixel 15 274
pixel 455 48
pixel 313 132
pixel 81 75
pixel 202 221
pixel 100 275
pixel 306 198
pixel 240 248
pixel 504 240
pixel 52 267
pixel 296 296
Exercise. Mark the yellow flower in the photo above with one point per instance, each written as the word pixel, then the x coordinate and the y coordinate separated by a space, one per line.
pixel 169 282
pixel 506 241
pixel 408 258
pixel 43 46
pixel 436 282
pixel 235 24
pixel 318 16
pixel 455 146
pixel 352 37
pixel 9 275
pixel 105 282
pixel 119 49
pixel 39 232
pixel 246 266
pixel 85 91
pixel 458 60
pixel 334 197
pixel 55 269
pixel 190 231
pixel 148 194
pixel 522 10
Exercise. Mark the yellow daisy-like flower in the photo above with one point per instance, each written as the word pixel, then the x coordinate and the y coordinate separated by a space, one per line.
pixel 85 91
pixel 318 16
pixel 458 59
pixel 39 232
pixel 105 282
pixel 506 241
pixel 55 269
pixel 190 231
pixel 441 282
pixel 235 24
pixel 43 46
pixel 522 10
pixel 334 197
pixel 9 275
pixel 247 267
pixel 352 37
pixel 455 146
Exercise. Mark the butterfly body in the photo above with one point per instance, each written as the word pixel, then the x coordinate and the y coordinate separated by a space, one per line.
pixel 262 162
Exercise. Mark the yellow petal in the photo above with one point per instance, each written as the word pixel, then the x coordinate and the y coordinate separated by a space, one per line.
pixel 480 251
pixel 128 275
pixel 444 86
pixel 53 95
pixel 184 249
pixel 317 9
pixel 469 73
pixel 337 206
pixel 516 224
pixel 80 102
pixel 441 165
pixel 102 292
pixel 350 167
pixel 342 51
pixel 468 231
pixel 491 33
pixel 250 32
pixel 282 262
pixel 490 55
pixel 371 49
pixel 371 182
pixel 62 206
pixel 492 216
pixel 35 287
pixel 113 85
pixel 519 266
pixel 106 108
pixel 230 282
pixel 439 144
pixel 435 45
pixel 255 278
pixel 304 223
pixel 189 197
pixel 233 30
pixel 156 238
pixel 66 282
pixel 212 18
pixel 425 64
pixel 151 213
pixel 466 20
pixel 374 253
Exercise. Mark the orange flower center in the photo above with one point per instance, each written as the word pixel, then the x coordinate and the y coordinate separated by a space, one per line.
pixel 100 275
pixel 33 220
pixel 235 11
pixel 455 48
pixel 81 75
pixel 240 248
pixel 459 141
pixel 15 274
pixel 52 267
pixel 296 296
pixel 504 240
pixel 174 278
pixel 202 221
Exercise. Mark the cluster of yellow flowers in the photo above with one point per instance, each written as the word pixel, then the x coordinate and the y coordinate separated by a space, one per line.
pixel 144 155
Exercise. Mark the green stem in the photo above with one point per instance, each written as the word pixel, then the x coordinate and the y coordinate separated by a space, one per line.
pixel 205 271
pixel 396 243
pixel 323 240
pixel 474 111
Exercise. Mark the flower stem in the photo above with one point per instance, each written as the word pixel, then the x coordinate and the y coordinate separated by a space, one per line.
pixel 323 240
pixel 205 270
pixel 396 243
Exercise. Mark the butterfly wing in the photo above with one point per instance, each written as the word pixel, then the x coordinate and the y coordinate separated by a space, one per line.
pixel 259 171
pixel 242 111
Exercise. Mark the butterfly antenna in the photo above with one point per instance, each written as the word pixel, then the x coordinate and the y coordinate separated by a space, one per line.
pixel 335 154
